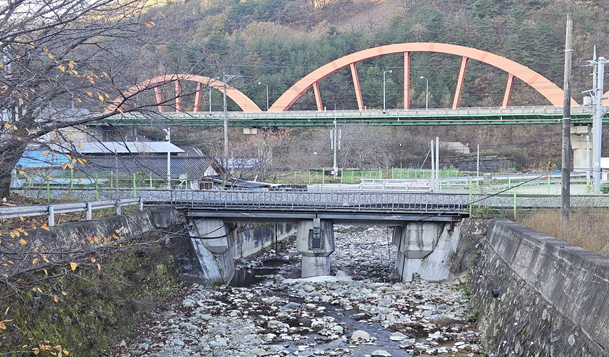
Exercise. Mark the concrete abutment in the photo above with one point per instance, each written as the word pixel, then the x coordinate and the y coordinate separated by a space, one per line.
pixel 315 241
pixel 425 249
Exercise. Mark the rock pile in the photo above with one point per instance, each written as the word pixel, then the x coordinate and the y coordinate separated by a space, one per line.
pixel 362 311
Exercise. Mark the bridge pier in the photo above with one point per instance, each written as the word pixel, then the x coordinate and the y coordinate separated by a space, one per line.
pixel 315 241
pixel 578 144
pixel 212 242
pixel 425 248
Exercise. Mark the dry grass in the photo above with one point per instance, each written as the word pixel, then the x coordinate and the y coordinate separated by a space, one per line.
pixel 587 229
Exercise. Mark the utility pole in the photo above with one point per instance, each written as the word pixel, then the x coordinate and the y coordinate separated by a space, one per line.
pixel 565 193
pixel 597 124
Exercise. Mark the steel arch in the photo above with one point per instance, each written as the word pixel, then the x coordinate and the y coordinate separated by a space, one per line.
pixel 245 103
pixel 546 88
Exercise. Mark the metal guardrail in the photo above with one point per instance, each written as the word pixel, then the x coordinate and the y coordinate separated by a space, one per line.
pixel 55 208
pixel 360 201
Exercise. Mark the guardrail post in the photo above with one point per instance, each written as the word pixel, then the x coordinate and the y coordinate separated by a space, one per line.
pixel 134 187
pixel 514 203
pixel 118 208
pixel 112 179
pixel 48 191
pixel 150 180
pixel 141 204
pixel 51 216
pixel 89 211
pixel 323 176
pixel 96 188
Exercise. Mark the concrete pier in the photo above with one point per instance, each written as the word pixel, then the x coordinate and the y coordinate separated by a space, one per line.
pixel 315 241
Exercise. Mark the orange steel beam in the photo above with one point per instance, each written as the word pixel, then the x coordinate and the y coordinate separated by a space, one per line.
pixel 159 98
pixel 317 96
pixel 406 80
pixel 460 82
pixel 508 91
pixel 546 88
pixel 198 97
pixel 178 96
pixel 358 90
pixel 606 101
pixel 246 104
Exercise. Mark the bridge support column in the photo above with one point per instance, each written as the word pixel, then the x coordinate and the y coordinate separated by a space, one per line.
pixel 212 244
pixel 425 248
pixel 315 241
pixel 578 144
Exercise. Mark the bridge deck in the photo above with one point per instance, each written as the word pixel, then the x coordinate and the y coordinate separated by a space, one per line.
pixel 419 117
pixel 340 205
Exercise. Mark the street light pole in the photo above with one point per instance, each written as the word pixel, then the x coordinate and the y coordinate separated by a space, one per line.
pixel 426 92
pixel 389 71
pixel 267 95
pixel 225 79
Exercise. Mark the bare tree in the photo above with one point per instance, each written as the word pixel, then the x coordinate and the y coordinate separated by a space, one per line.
pixel 56 57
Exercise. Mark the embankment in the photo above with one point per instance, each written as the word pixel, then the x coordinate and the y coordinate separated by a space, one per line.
pixel 539 296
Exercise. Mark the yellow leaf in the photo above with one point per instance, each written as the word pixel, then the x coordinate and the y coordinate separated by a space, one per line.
pixel 90 94
pixel 147 24
pixel 21 218
pixel 78 100
pixel 45 153
pixel 45 228
pixel 7 125
pixel 64 293
pixel 79 144
pixel 22 241
pixel 120 110
pixel 101 97
pixel 20 101
pixel 98 266
pixel 56 298
pixel 33 226
pixel 64 166
pixel 79 180
pixel 93 260
pixel 14 127
pixel 162 14
pixel 50 56
pixel 71 166
pixel 45 272
pixel 35 260
pixel 6 312
pixel 73 266
pixel 62 67
pixel 39 290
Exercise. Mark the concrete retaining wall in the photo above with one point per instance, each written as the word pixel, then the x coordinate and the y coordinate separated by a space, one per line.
pixel 552 297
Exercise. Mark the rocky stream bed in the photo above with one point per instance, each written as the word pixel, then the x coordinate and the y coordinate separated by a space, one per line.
pixel 361 311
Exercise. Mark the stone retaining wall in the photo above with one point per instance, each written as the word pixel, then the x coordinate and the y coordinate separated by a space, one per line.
pixel 551 296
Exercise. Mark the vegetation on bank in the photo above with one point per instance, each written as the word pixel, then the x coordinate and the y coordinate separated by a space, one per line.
pixel 80 309
pixel 587 228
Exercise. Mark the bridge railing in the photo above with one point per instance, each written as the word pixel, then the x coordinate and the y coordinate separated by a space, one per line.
pixel 304 200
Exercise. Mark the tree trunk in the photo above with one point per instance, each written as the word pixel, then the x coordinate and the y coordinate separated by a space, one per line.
pixel 9 160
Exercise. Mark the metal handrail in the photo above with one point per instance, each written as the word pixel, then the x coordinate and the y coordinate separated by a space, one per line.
pixel 7 212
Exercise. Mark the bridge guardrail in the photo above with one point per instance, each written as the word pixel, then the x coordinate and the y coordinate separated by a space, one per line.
pixel 7 212
pixel 305 200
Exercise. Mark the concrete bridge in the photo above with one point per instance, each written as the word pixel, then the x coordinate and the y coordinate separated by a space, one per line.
pixel 425 225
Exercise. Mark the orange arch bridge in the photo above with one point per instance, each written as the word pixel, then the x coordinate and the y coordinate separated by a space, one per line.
pixel 244 102
pixel 548 89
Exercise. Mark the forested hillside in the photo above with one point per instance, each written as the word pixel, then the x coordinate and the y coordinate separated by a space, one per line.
pixel 277 42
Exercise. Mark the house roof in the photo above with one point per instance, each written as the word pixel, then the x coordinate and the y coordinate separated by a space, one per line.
pixel 130 147
pixel 35 158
